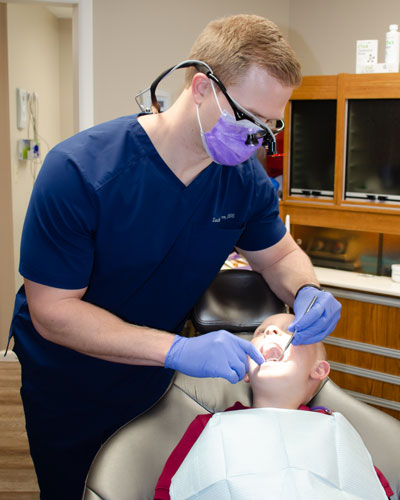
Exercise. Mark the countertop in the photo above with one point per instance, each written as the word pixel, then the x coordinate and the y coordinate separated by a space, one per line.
pixel 347 280
pixel 357 281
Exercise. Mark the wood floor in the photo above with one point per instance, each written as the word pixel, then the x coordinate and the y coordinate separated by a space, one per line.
pixel 17 475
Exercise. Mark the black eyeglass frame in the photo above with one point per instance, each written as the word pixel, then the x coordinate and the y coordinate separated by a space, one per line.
pixel 240 113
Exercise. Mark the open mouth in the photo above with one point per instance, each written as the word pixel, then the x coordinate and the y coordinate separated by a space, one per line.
pixel 272 352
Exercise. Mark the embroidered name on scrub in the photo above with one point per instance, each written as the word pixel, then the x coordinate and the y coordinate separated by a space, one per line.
pixel 223 217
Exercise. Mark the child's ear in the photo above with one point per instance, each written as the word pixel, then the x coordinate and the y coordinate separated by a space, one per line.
pixel 320 370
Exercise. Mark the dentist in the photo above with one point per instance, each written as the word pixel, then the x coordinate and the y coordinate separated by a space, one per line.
pixel 128 224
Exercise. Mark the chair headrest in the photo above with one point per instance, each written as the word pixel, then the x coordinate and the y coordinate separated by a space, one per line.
pixel 238 300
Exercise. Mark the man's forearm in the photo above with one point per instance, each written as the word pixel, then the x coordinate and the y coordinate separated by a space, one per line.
pixel 287 275
pixel 91 330
pixel 284 266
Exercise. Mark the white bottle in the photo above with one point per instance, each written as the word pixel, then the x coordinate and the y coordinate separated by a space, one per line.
pixel 392 50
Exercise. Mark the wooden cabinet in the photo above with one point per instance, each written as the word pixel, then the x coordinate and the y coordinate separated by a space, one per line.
pixel 337 211
pixel 364 351
pixel 364 324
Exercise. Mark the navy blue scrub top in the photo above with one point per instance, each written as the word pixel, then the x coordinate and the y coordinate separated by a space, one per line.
pixel 108 214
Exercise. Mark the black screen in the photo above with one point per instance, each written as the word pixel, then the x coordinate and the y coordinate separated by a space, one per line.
pixel 312 147
pixel 373 149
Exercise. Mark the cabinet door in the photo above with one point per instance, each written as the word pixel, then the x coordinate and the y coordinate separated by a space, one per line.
pixel 372 153
pixel 312 147
pixel 370 325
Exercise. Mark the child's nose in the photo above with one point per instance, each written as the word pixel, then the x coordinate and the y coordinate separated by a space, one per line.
pixel 271 331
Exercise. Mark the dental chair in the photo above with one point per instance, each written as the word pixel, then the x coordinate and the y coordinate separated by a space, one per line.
pixel 129 464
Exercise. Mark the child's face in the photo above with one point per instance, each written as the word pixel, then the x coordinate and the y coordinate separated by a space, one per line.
pixel 293 371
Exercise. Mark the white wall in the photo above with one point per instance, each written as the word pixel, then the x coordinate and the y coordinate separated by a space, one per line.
pixel 66 78
pixel 34 64
pixel 324 33
pixel 135 41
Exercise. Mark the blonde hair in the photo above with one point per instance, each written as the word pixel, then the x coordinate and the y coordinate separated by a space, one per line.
pixel 231 45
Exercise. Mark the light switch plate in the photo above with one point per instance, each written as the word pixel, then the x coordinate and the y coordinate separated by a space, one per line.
pixel 21 108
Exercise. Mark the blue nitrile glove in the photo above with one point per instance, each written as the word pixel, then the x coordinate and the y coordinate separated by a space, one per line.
pixel 215 354
pixel 320 320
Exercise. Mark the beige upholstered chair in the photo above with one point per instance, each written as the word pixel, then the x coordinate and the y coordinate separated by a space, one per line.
pixel 129 463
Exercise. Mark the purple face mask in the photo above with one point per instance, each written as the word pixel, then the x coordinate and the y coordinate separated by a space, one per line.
pixel 225 143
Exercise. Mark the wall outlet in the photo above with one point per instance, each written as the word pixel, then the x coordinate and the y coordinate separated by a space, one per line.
pixel 28 149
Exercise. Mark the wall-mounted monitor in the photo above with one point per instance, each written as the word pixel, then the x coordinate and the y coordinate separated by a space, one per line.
pixel 373 150
pixel 312 147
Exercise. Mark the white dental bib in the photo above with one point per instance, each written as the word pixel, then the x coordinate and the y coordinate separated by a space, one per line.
pixel 277 454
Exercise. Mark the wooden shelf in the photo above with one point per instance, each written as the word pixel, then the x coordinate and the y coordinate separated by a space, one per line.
pixel 317 87
pixel 371 86
pixel 351 218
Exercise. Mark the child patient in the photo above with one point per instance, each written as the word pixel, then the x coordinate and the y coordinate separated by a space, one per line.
pixel 286 384
pixel 293 381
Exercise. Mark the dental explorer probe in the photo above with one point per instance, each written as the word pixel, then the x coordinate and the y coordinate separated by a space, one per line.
pixel 295 330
